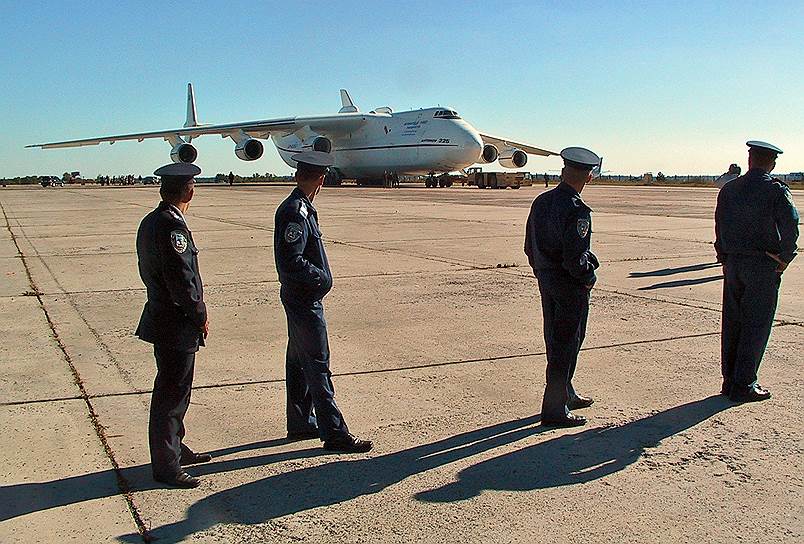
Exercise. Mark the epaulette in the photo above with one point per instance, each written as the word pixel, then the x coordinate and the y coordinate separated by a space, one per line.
pixel 777 180
pixel 303 209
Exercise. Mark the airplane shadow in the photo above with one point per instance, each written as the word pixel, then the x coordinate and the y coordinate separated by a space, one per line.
pixel 680 283
pixel 576 458
pixel 671 271
pixel 20 499
pixel 565 460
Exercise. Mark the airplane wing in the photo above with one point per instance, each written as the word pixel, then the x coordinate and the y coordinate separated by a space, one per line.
pixel 326 124
pixel 487 138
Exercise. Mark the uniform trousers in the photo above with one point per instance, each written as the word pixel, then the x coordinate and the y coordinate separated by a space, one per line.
pixel 565 310
pixel 750 295
pixel 169 403
pixel 308 380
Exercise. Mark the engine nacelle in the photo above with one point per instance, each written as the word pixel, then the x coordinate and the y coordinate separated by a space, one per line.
pixel 249 149
pixel 489 153
pixel 322 144
pixel 513 158
pixel 184 153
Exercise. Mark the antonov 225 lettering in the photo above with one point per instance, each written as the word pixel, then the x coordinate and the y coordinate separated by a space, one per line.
pixel 365 146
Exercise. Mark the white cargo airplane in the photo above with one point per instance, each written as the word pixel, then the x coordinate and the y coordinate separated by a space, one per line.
pixel 364 146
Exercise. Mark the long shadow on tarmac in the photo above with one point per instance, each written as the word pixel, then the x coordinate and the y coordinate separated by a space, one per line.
pixel 680 283
pixel 564 460
pixel 576 458
pixel 671 271
pixel 20 499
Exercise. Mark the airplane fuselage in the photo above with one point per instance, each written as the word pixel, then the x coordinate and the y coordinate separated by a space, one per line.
pixel 408 142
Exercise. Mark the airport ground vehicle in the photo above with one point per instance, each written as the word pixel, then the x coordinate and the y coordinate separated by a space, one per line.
pixel 150 180
pixel 444 180
pixel 498 180
pixel 51 181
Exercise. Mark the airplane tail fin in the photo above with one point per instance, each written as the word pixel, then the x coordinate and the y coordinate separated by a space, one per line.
pixel 192 117
pixel 346 102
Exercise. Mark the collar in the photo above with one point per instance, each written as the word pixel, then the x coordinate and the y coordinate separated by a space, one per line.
pixel 757 173
pixel 567 188
pixel 174 210
pixel 300 194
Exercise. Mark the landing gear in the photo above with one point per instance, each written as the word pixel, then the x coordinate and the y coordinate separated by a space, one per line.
pixel 333 177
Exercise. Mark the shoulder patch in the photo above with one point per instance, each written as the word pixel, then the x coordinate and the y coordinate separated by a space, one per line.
pixel 583 227
pixel 179 241
pixel 293 233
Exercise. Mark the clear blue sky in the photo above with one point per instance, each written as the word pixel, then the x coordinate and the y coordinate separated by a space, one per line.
pixel 651 85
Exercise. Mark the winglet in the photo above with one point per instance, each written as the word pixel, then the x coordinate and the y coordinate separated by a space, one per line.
pixel 347 105
pixel 192 118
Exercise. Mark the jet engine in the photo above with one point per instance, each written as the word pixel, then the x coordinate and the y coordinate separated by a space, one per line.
pixel 489 153
pixel 322 144
pixel 249 149
pixel 183 152
pixel 513 158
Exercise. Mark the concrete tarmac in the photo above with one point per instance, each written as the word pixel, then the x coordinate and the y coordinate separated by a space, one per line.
pixel 438 356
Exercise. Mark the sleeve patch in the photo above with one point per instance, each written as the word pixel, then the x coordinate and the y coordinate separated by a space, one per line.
pixel 583 227
pixel 293 233
pixel 179 241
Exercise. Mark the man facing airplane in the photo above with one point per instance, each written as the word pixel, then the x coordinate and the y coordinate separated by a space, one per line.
pixel 174 320
pixel 756 229
pixel 557 243
pixel 305 279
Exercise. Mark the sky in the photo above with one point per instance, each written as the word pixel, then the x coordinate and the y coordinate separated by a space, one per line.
pixel 676 87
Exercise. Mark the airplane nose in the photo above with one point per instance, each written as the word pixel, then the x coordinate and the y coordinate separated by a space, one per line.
pixel 472 146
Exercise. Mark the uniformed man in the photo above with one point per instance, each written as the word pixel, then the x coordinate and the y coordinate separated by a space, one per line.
pixel 174 320
pixel 557 243
pixel 305 279
pixel 756 229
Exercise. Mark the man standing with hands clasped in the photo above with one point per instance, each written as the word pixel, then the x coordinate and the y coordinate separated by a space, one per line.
pixel 756 229
pixel 305 279
pixel 174 320
pixel 557 243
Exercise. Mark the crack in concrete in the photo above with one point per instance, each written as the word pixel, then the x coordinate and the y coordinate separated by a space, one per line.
pixel 400 368
pixel 123 485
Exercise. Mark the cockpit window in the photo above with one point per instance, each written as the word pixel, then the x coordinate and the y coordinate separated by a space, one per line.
pixel 446 114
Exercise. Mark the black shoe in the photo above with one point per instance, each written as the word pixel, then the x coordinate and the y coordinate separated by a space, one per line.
pixel 348 444
pixel 182 479
pixel 577 402
pixel 569 420
pixel 725 389
pixel 755 393
pixel 192 458
pixel 303 435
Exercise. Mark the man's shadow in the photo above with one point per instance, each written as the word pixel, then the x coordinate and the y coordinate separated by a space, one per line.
pixel 20 499
pixel 565 460
pixel 576 458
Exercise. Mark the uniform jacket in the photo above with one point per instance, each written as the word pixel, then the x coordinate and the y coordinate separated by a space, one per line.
pixel 301 260
pixel 175 313
pixel 755 213
pixel 558 235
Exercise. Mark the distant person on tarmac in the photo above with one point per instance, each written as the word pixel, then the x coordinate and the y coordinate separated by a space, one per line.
pixel 756 233
pixel 546 178
pixel 231 178
pixel 305 279
pixel 733 173
pixel 557 243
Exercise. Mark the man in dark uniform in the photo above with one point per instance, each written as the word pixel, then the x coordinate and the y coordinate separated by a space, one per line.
pixel 756 229
pixel 557 243
pixel 305 279
pixel 174 320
